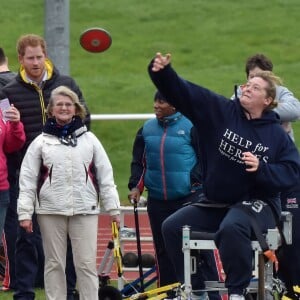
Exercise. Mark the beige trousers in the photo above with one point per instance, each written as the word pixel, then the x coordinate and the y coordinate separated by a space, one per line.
pixel 82 230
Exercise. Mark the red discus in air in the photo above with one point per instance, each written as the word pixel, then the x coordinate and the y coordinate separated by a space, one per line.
pixel 95 40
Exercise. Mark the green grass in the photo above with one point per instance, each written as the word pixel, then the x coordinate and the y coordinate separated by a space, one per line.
pixel 39 295
pixel 209 42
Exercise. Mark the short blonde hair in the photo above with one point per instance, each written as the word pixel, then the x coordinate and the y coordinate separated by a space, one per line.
pixel 272 81
pixel 65 91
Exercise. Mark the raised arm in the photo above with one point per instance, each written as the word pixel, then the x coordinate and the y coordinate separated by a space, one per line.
pixel 197 103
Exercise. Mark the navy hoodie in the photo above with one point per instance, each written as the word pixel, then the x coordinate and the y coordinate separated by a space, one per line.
pixel 225 134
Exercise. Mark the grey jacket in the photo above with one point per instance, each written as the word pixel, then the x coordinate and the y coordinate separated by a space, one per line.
pixel 6 77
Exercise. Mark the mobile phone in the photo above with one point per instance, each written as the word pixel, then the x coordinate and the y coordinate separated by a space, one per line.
pixel 4 106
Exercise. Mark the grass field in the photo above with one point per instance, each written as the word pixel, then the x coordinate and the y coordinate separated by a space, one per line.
pixel 209 42
pixel 40 295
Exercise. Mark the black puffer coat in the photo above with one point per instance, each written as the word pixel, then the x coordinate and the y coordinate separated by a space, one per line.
pixel 32 100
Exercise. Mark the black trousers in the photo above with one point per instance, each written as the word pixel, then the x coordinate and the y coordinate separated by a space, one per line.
pixel 233 239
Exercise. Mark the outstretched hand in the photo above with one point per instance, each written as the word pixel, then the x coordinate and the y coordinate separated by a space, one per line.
pixel 160 61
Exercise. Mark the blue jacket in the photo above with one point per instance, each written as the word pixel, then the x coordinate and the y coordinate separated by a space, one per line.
pixel 225 134
pixel 165 159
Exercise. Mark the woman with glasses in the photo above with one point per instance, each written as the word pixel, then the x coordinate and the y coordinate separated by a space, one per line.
pixel 247 160
pixel 64 175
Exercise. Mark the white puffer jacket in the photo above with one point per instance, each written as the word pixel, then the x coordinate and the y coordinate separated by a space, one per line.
pixel 64 185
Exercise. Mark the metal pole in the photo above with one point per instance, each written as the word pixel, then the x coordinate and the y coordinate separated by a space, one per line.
pixel 57 33
pixel 122 116
pixel 138 244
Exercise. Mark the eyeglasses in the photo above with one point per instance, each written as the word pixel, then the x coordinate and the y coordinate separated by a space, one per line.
pixel 254 87
pixel 66 104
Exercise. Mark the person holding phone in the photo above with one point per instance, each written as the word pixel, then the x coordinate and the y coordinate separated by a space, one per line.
pixel 247 159
pixel 12 138
pixel 30 91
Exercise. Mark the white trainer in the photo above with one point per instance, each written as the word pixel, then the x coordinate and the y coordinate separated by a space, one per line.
pixel 236 297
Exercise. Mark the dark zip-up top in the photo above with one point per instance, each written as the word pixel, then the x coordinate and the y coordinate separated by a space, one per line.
pixel 32 100
pixel 225 134
pixel 165 158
